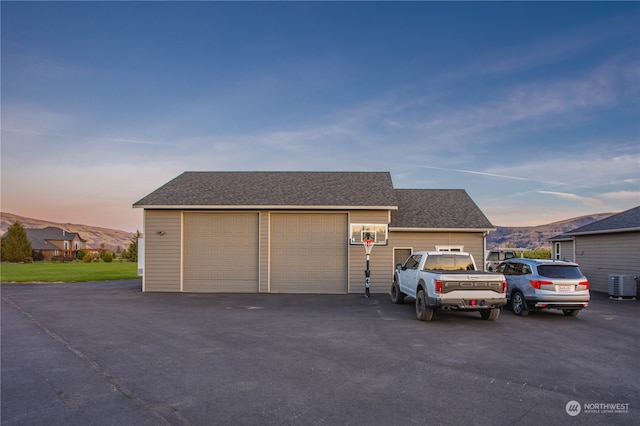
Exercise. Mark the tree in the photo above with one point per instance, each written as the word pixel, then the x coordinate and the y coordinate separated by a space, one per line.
pixel 16 246
pixel 132 252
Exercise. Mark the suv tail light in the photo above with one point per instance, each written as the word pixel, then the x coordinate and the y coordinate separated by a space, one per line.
pixel 438 286
pixel 585 284
pixel 538 283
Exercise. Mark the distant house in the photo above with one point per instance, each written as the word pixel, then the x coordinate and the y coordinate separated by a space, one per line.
pixel 608 246
pixel 296 232
pixel 54 243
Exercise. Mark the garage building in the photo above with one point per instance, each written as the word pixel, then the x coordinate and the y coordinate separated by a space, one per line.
pixel 296 232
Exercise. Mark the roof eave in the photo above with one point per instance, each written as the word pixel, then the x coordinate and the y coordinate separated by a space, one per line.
pixel 406 229
pixel 604 231
pixel 259 207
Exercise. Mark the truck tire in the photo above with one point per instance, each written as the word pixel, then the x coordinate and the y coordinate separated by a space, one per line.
pixel 423 312
pixel 396 295
pixel 518 304
pixel 570 312
pixel 490 314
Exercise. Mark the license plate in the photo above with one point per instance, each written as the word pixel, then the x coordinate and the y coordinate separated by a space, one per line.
pixel 565 288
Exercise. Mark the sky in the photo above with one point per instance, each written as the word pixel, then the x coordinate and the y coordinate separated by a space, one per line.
pixel 532 107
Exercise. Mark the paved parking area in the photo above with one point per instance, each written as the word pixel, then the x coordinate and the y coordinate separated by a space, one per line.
pixel 107 354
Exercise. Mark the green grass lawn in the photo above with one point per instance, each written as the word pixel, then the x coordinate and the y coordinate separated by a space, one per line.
pixel 67 272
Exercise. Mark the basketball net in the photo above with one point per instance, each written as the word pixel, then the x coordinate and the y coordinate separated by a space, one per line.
pixel 368 245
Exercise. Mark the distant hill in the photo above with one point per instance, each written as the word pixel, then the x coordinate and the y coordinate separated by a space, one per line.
pixel 94 235
pixel 533 237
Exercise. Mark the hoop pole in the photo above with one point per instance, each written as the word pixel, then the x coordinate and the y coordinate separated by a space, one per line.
pixel 368 245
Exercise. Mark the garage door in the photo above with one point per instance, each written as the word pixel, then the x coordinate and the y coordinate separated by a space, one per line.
pixel 221 252
pixel 308 253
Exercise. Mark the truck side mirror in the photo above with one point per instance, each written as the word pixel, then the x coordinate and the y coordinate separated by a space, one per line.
pixel 399 266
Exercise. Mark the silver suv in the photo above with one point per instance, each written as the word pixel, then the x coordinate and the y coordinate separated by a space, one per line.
pixel 544 284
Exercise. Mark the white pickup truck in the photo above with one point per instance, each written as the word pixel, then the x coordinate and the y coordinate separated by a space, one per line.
pixel 449 281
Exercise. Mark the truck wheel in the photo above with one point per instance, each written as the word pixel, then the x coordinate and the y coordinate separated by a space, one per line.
pixel 490 314
pixel 570 312
pixel 423 312
pixel 396 295
pixel 518 304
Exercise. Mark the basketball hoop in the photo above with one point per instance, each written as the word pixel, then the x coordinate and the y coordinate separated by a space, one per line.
pixel 368 245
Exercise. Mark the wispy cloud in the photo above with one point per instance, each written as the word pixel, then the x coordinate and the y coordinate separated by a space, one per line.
pixel 623 196
pixel 574 197
pixel 85 138
pixel 495 175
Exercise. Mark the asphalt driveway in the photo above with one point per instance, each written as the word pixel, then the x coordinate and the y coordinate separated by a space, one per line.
pixel 107 354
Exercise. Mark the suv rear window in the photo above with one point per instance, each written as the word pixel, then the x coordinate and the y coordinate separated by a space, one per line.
pixel 559 271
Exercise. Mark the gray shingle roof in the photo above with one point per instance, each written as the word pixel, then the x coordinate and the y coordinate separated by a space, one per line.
pixel 437 209
pixel 628 220
pixel 39 238
pixel 275 189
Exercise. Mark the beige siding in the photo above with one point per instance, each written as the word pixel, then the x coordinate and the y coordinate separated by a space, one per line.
pixel 604 254
pixel 379 259
pixel 369 216
pixel 162 252
pixel 566 251
pixel 220 252
pixel 263 278
pixel 472 242
pixel 308 253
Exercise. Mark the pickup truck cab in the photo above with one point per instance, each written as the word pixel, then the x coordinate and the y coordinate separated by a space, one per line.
pixel 448 281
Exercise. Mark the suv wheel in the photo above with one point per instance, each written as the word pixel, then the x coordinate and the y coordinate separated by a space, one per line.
pixel 423 312
pixel 396 295
pixel 518 304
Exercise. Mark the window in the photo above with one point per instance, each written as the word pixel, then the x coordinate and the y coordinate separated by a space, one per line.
pixel 514 268
pixel 449 263
pixel 556 251
pixel 559 271
pixel 449 248
pixel 412 262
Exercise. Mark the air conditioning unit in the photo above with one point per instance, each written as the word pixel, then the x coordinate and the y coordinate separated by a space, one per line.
pixel 623 285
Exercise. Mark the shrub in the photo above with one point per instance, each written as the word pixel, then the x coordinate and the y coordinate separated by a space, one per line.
pixel 37 255
pixel 87 258
pixel 540 253
pixel 107 257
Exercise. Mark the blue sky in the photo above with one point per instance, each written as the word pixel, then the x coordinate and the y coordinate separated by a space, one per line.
pixel 533 108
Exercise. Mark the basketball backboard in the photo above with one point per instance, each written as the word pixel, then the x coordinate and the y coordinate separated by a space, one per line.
pixel 359 232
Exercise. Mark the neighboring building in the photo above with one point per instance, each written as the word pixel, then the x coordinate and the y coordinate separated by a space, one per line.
pixel 54 243
pixel 608 246
pixel 296 232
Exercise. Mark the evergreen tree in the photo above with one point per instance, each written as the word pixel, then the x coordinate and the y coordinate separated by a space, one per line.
pixel 132 252
pixel 16 246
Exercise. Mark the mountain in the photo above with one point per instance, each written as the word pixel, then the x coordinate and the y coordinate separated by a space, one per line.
pixel 95 236
pixel 533 237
